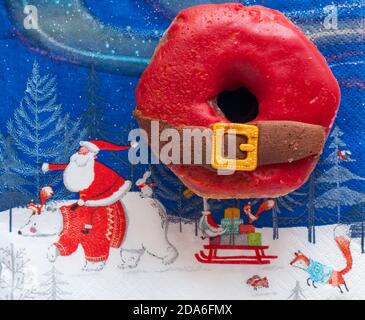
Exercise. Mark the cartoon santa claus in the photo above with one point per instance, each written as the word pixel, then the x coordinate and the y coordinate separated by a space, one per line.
pixel 96 221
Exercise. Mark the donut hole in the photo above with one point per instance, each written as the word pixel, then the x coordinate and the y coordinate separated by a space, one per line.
pixel 238 106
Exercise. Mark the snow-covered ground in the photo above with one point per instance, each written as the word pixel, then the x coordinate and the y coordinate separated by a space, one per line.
pixel 185 278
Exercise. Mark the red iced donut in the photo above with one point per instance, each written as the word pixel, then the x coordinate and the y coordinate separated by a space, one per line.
pixel 210 49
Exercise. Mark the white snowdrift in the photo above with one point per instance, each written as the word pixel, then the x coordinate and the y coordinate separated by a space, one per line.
pixel 186 278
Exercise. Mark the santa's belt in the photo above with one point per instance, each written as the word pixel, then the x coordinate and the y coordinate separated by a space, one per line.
pixel 256 144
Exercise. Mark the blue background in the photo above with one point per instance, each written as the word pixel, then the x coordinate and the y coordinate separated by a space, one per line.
pixel 143 23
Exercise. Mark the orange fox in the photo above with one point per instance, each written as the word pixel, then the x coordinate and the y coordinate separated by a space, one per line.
pixel 320 273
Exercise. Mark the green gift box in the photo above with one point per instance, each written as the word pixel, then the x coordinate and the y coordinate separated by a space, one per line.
pixel 254 239
pixel 231 225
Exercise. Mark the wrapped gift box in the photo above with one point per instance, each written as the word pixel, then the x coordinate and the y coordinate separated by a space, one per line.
pixel 254 239
pixel 232 213
pixel 231 225
pixel 230 239
pixel 234 239
pixel 246 228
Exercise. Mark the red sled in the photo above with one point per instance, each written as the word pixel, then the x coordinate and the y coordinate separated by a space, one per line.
pixel 258 257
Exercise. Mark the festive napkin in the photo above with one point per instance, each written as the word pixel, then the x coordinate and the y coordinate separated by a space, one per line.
pixel 68 72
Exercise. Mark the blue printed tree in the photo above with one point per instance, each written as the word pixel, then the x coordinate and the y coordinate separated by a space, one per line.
pixel 12 185
pixel 9 179
pixel 356 217
pixel 284 204
pixel 40 132
pixel 121 137
pixel 309 192
pixel 336 177
pixel 72 135
pixel 98 124
pixel 311 207
pixel 301 204
pixel 93 117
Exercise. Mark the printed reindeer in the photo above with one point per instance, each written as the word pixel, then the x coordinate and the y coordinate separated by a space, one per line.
pixel 320 273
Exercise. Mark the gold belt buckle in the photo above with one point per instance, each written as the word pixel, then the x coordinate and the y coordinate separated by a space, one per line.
pixel 251 147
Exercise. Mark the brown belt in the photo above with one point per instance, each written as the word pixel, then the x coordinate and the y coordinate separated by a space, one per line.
pixel 256 144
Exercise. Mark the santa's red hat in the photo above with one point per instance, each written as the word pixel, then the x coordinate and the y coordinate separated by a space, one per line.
pixel 97 145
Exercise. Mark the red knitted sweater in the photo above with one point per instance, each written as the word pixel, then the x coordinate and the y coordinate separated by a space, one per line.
pixel 108 229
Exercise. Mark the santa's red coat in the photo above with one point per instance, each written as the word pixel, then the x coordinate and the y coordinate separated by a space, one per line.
pixel 108 221
pixel 106 182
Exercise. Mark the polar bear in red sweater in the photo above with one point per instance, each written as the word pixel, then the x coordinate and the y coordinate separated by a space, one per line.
pixel 145 231
pixel 106 215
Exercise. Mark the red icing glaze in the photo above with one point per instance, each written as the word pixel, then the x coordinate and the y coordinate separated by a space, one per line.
pixel 212 48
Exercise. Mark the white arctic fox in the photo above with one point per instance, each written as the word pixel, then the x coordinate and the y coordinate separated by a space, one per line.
pixel 146 228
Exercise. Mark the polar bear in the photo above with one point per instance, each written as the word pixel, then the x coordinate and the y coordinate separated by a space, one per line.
pixel 146 230
pixel 146 217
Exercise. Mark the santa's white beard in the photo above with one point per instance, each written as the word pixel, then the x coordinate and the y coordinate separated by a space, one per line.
pixel 79 174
